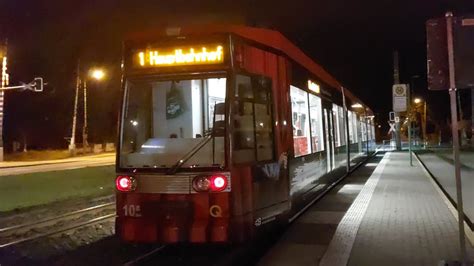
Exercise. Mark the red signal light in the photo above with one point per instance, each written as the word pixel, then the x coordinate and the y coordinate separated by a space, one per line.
pixel 218 183
pixel 125 183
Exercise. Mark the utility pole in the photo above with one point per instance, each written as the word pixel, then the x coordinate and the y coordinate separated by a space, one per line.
pixel 85 143
pixel 455 133
pixel 4 82
pixel 72 144
pixel 396 80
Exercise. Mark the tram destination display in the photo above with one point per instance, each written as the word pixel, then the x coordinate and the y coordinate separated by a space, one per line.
pixel 179 56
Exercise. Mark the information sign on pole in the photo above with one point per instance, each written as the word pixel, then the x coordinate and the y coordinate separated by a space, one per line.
pixel 391 116
pixel 400 97
pixel 392 127
pixel 450 65
pixel 462 30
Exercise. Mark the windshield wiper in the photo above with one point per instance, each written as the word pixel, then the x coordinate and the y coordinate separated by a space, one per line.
pixel 188 155
pixel 218 129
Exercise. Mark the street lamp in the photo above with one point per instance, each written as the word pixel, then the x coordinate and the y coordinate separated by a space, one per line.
pixel 418 101
pixel 97 74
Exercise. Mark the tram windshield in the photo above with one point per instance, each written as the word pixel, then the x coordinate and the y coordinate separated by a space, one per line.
pixel 174 122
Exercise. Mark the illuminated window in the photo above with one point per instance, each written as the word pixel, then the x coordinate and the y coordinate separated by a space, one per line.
pixel 315 113
pixel 340 135
pixel 352 117
pixel 363 128
pixel 301 129
pixel 163 120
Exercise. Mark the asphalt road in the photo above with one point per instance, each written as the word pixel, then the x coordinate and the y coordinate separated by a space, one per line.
pixel 17 168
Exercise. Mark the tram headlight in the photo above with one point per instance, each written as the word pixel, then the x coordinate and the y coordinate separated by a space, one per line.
pixel 125 183
pixel 211 183
pixel 201 183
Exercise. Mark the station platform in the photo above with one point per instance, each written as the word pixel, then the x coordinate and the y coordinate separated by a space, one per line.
pixel 385 213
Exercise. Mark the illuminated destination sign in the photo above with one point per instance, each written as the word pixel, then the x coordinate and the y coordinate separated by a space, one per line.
pixel 180 56
pixel 312 86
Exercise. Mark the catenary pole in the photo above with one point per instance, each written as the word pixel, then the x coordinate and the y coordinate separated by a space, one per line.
pixel 455 133
pixel 396 80
pixel 72 144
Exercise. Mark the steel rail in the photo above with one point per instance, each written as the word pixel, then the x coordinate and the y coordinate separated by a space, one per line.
pixel 144 256
pixel 59 217
pixel 64 229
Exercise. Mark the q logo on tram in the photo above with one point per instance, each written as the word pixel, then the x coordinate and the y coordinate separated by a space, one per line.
pixel 215 211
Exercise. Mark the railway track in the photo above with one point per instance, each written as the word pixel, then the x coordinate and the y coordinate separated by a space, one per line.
pixel 17 234
pixel 144 256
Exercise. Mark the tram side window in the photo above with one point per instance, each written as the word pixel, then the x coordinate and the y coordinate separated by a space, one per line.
pixel 355 128
pixel 352 127
pixel 342 125
pixel 301 129
pixel 315 114
pixel 363 128
pixel 339 125
pixel 263 118
pixel 253 129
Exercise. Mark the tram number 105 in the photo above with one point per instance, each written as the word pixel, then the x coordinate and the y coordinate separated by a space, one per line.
pixel 132 210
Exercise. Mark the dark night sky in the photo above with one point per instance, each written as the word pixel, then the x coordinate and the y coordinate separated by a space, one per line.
pixel 353 40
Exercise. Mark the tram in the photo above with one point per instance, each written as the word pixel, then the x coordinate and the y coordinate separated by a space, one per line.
pixel 226 131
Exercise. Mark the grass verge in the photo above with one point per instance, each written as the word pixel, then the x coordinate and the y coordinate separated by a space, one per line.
pixel 20 191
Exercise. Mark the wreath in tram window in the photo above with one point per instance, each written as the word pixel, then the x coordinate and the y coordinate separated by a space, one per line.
pixel 175 104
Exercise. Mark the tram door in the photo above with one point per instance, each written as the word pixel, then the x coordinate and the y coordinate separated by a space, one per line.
pixel 329 132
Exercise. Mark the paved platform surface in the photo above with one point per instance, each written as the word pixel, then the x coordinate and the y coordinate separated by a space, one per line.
pixel 441 166
pixel 398 218
pixel 307 239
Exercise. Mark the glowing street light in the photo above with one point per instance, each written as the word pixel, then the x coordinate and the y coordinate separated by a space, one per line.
pixel 97 74
pixel 357 105
pixel 423 122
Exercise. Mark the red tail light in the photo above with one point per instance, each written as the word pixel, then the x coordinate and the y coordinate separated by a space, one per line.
pixel 218 183
pixel 213 183
pixel 125 183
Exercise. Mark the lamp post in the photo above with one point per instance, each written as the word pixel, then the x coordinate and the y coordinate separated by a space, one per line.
pixel 72 143
pixel 417 101
pixel 96 74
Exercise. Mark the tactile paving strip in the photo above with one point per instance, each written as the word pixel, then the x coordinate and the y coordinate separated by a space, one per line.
pixel 340 247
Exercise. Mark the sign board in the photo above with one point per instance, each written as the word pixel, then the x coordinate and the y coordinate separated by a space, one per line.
pixel 400 97
pixel 437 53
pixel 397 119
pixel 179 56
pixel 392 127
pixel 464 52
pixel 391 116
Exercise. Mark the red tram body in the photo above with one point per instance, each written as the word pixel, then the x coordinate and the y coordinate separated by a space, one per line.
pixel 227 130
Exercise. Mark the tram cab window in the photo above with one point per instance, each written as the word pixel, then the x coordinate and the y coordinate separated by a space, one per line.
pixel 252 118
pixel 164 119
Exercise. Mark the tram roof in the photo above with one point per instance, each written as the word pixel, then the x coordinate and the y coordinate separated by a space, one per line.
pixel 267 37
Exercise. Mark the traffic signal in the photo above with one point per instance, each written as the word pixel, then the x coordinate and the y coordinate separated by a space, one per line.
pixel 38 84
